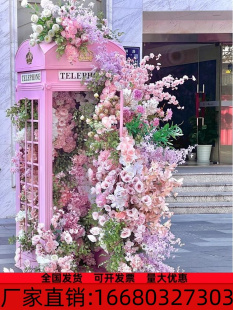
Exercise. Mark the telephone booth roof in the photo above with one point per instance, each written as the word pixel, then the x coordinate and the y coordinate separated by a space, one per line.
pixel 44 57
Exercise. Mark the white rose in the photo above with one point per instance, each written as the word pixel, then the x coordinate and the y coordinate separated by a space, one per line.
pixel 24 3
pixel 34 18
pixel 47 39
pixel 51 33
pixel 46 13
pixel 55 27
pixel 82 118
pixel 34 36
pixel 49 23
pixel 96 95
pixel 38 28
pixel 58 20
pixel 92 238
pixel 32 42
pixel 54 257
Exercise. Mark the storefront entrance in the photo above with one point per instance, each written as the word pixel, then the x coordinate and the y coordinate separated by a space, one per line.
pixel 211 65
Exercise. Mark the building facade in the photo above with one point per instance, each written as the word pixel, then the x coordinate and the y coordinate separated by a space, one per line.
pixel 193 36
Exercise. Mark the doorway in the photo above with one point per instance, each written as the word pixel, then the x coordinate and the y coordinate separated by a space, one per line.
pixel 203 61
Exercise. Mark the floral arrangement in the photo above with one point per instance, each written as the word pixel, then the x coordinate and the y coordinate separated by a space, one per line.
pixel 72 26
pixel 112 174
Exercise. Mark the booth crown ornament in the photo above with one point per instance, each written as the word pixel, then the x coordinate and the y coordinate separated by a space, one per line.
pixel 86 56
pixel 94 160
pixel 29 57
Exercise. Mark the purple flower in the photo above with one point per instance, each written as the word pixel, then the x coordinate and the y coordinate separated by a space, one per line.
pixel 137 94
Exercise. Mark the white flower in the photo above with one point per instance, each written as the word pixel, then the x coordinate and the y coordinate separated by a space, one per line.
pixel 91 4
pixel 46 13
pixel 67 237
pixel 47 39
pixel 32 42
pixel 152 55
pixel 92 238
pixel 95 215
pixel 34 35
pixel 21 234
pixel 38 28
pixel 58 20
pixel 42 260
pixel 54 257
pixel 34 18
pixel 7 270
pixel 126 232
pixel 88 121
pixel 51 33
pixel 82 118
pixel 20 136
pixel 95 231
pixel 35 239
pixel 55 27
pixel 20 216
pixel 24 3
pixel 96 95
pixel 49 23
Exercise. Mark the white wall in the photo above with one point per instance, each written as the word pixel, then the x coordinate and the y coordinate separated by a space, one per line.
pixel 8 38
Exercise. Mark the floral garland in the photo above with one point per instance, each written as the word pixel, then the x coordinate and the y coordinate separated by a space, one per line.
pixel 72 26
pixel 109 190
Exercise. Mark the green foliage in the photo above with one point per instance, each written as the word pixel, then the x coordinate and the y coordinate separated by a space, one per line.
pixel 206 134
pixel 137 128
pixel 161 137
pixel 110 141
pixel 20 113
pixel 164 135
pixel 114 244
pixel 12 240
pixel 97 82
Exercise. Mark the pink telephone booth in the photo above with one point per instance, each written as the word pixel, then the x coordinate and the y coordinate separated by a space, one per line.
pixel 41 76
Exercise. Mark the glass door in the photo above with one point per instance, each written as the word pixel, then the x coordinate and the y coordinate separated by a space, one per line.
pixel 226 105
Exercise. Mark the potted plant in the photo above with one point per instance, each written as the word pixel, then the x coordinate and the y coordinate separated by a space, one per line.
pixel 205 135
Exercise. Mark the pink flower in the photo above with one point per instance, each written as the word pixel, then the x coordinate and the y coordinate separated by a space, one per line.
pixel 126 232
pixel 71 53
pixel 147 200
pixel 101 200
pixel 155 122
pixel 139 187
pixel 106 122
pixel 140 109
pixel 95 215
pixel 137 94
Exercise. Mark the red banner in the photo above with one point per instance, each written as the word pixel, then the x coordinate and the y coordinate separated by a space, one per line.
pixel 114 290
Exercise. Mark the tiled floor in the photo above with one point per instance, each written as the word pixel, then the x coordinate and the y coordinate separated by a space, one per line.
pixel 208 242
pixel 207 238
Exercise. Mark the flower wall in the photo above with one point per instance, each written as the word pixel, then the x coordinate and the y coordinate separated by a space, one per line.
pixel 113 158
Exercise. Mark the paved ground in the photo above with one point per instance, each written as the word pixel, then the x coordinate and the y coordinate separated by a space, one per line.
pixel 207 238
